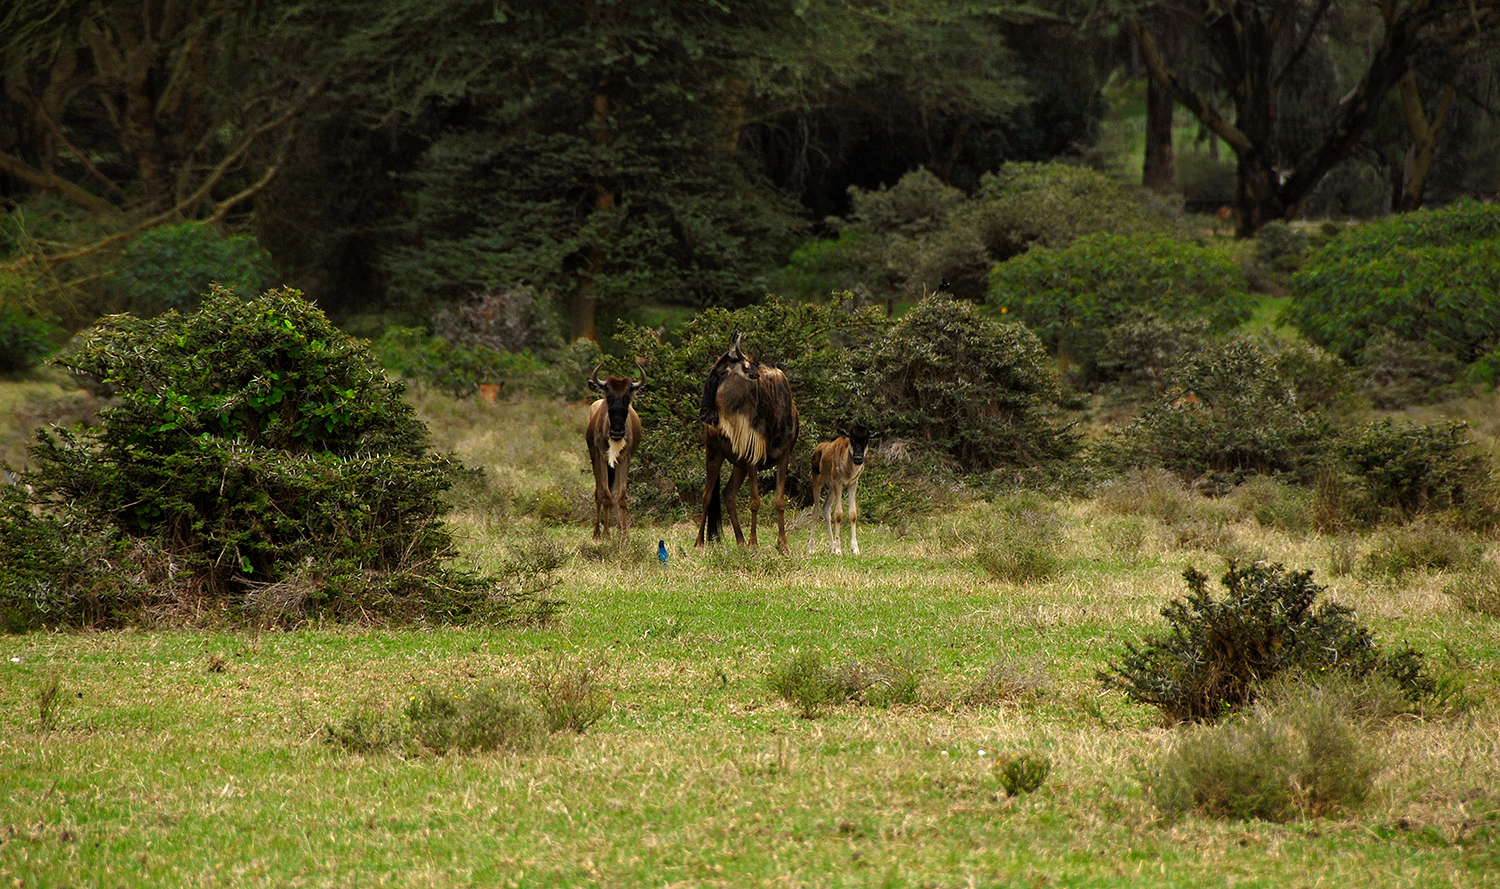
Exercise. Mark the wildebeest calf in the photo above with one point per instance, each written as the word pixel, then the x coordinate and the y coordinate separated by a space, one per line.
pixel 836 466
pixel 613 433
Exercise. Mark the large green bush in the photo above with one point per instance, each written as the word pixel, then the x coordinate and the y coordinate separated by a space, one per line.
pixel 1242 408
pixel 1396 471
pixel 1074 297
pixel 1430 276
pixel 981 391
pixel 255 445
pixel 1214 651
pixel 170 266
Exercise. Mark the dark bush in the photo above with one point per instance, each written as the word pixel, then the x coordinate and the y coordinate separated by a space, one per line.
pixel 1397 372
pixel 982 392
pixel 1073 297
pixel 1214 651
pixel 1429 276
pixel 514 320
pixel 256 445
pixel 1396 471
pixel 26 339
pixel 171 266
pixel 1231 413
pixel 1136 356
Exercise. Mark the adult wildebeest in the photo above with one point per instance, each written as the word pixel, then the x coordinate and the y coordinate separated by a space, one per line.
pixel 836 465
pixel 749 418
pixel 613 433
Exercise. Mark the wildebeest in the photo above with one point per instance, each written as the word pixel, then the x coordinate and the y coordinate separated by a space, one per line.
pixel 836 466
pixel 749 418
pixel 613 433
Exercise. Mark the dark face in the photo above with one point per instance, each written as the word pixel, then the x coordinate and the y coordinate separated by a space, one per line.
pixel 859 439
pixel 617 392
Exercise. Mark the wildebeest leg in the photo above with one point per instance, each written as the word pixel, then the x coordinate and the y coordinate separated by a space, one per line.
pixel 618 495
pixel 781 545
pixel 601 497
pixel 835 517
pixel 732 503
pixel 710 519
pixel 853 517
pixel 812 538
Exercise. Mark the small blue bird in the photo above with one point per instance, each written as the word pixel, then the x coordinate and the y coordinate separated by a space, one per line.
pixel 661 551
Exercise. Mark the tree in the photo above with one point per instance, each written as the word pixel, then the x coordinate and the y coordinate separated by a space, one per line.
pixel 161 111
pixel 1259 47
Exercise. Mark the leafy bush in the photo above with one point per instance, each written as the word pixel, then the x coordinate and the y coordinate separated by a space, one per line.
pixel 254 445
pixel 1022 772
pixel 1228 414
pixel 1206 664
pixel 171 266
pixel 982 392
pixel 478 720
pixel 1136 356
pixel 1302 756
pixel 1396 471
pixel 25 338
pixel 1074 296
pixel 1429 276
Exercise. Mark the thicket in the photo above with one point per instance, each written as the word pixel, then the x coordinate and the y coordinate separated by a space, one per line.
pixel 1075 297
pixel 1393 472
pixel 1216 652
pixel 1429 276
pixel 264 458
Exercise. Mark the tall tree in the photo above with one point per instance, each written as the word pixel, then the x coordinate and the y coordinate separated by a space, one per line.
pixel 160 109
pixel 1259 47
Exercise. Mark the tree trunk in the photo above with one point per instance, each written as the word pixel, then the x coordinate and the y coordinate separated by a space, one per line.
pixel 585 294
pixel 1159 174
pixel 1424 138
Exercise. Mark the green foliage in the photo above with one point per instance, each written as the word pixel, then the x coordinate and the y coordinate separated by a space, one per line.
pixel 980 391
pixel 1018 540
pixel 26 338
pixel 1395 471
pixel 1428 276
pixel 1205 666
pixel 812 686
pixel 171 266
pixel 477 720
pixel 1074 296
pixel 1242 409
pixel 1136 355
pixel 1398 372
pixel 256 445
pixel 1420 546
pixel 456 368
pixel 1022 772
pixel 1303 756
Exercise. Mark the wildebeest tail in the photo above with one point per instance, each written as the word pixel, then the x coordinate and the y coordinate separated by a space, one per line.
pixel 714 513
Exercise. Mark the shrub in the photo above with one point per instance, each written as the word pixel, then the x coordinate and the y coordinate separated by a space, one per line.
pixel 1073 297
pixel 806 682
pixel 1398 373
pixel 1018 540
pixel 1396 471
pixel 1477 591
pixel 982 392
pixel 171 266
pixel 1214 650
pixel 253 443
pixel 1136 356
pixel 569 694
pixel 1421 546
pixel 472 721
pixel 1007 681
pixel 1229 414
pixel 25 338
pixel 514 320
pixel 1022 772
pixel 1429 276
pixel 1300 757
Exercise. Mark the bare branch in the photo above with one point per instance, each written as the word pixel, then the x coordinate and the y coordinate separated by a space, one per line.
pixel 1190 99
pixel 52 182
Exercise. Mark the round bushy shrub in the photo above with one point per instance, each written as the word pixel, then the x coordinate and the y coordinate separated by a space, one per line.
pixel 256 444
pixel 981 391
pixel 1430 276
pixel 1074 297
pixel 1397 471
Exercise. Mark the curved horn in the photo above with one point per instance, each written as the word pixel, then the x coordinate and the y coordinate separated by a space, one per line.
pixel 734 348
pixel 594 376
pixel 643 378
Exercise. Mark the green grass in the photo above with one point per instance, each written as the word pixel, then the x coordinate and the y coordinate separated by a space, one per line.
pixel 193 758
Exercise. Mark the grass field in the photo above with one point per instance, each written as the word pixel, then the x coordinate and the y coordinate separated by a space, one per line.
pixel 199 758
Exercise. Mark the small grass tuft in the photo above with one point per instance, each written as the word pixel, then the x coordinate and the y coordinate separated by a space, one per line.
pixel 49 703
pixel 569 694
pixel 479 720
pixel 1420 546
pixel 1007 681
pixel 1022 772
pixel 1477 591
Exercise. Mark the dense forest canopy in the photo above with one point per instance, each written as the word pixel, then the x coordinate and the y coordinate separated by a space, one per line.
pixel 399 156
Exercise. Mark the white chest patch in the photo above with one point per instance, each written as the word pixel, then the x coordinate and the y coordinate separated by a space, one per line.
pixel 615 449
pixel 745 443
